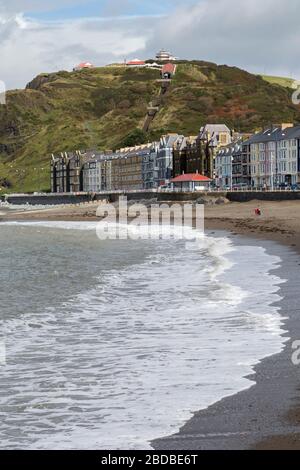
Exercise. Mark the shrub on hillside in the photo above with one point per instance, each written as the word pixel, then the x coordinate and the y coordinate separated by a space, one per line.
pixel 136 137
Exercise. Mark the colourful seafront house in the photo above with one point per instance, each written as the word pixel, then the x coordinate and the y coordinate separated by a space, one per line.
pixel 149 166
pixel 266 160
pixel 229 168
pixel 274 157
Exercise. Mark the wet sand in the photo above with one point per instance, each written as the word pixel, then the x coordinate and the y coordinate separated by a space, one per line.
pixel 279 220
pixel 266 416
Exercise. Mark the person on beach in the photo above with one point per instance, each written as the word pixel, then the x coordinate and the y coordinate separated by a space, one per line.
pixel 258 212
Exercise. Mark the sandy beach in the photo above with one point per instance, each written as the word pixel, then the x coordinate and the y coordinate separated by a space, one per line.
pixel 267 415
pixel 280 221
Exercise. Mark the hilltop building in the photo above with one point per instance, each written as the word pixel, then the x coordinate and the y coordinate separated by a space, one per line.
pixel 165 56
pixel 136 63
pixel 168 71
pixel 82 66
pixel 142 64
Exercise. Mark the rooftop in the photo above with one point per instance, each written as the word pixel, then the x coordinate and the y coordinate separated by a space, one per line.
pixel 84 65
pixel 275 134
pixel 190 177
pixel 214 128
pixel 136 62
pixel 169 68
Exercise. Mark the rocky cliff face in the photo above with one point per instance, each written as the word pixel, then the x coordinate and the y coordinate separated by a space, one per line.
pixel 40 80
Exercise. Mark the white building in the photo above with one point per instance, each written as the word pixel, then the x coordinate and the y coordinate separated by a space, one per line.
pixel 165 56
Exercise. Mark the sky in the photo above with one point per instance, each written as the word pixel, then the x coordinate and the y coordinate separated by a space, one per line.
pixel 45 36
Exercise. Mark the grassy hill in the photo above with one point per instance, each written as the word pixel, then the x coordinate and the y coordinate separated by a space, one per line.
pixel 282 81
pixel 104 107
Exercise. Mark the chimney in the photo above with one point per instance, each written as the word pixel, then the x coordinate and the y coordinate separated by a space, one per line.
pixel 286 125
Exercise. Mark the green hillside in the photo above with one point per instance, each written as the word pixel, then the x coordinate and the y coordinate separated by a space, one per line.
pixel 104 108
pixel 282 81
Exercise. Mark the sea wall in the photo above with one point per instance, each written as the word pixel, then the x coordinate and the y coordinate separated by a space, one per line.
pixel 238 196
pixel 47 200
pixel 246 196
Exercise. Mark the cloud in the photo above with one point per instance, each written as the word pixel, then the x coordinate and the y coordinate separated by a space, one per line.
pixel 254 35
pixel 29 47
pixel 257 36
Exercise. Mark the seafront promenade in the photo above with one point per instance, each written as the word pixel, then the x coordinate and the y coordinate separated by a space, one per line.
pixel 159 196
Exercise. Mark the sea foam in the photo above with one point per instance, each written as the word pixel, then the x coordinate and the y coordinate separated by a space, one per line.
pixel 132 358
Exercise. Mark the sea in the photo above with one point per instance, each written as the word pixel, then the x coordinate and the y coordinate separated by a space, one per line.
pixel 109 344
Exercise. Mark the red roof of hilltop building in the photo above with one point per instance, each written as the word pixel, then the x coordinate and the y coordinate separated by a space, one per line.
pixel 136 62
pixel 191 177
pixel 85 64
pixel 169 68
